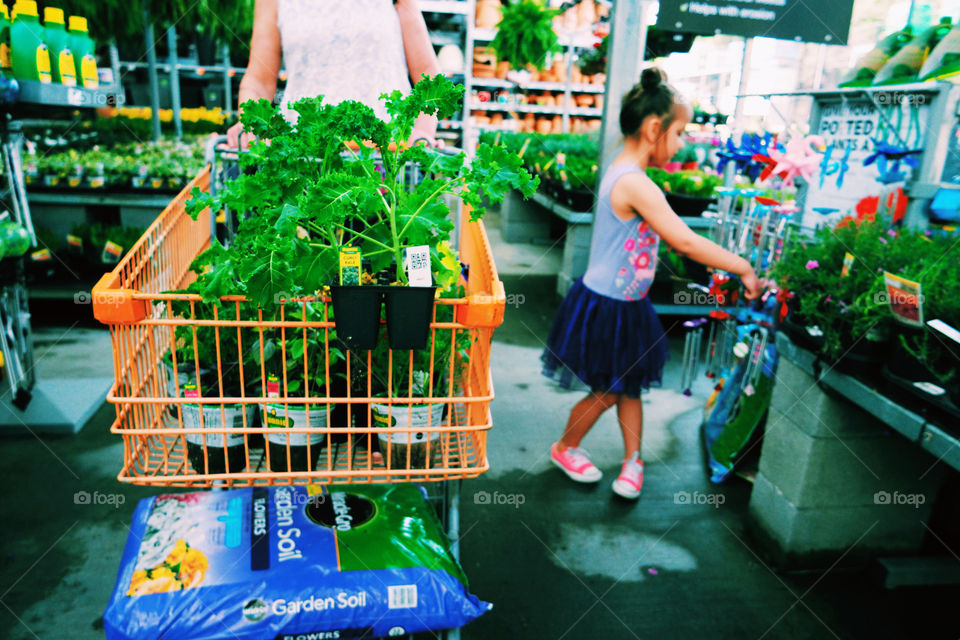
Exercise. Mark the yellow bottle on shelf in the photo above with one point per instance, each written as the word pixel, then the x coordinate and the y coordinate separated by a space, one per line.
pixel 81 44
pixel 6 64
pixel 61 59
pixel 30 57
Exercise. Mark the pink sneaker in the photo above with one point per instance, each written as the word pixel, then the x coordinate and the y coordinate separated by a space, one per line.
pixel 630 481
pixel 573 461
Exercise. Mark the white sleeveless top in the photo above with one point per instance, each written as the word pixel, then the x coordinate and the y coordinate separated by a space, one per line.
pixel 342 50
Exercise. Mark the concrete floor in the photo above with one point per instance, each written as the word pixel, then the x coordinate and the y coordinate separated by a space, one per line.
pixel 570 562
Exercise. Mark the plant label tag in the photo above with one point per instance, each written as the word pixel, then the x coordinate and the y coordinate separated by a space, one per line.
pixel 351 260
pixel 945 330
pixel 111 252
pixel 847 264
pixel 905 299
pixel 273 386
pixel 929 388
pixel 416 262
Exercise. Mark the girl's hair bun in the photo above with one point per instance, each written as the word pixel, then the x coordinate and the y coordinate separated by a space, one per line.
pixel 651 78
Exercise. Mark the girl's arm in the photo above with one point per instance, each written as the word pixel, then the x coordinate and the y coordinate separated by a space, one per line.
pixel 634 194
pixel 420 58
pixel 260 78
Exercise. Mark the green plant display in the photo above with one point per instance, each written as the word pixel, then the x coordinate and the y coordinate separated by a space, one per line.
pixel 848 307
pixel 525 34
pixel 319 186
pixel 695 183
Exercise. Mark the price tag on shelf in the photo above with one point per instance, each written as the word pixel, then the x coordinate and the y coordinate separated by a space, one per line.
pixel 75 97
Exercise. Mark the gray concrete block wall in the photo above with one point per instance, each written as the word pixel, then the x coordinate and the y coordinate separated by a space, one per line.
pixel 832 477
pixel 523 220
pixel 811 536
pixel 576 255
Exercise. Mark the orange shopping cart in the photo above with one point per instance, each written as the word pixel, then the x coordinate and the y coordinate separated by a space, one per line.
pixel 197 406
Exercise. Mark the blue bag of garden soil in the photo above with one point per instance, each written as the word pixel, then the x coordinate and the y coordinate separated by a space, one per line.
pixel 288 563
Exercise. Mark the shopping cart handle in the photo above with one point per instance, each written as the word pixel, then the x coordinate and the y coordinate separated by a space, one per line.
pixel 213 143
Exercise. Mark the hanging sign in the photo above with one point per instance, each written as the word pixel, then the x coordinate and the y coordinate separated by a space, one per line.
pixel 826 21
pixel 851 168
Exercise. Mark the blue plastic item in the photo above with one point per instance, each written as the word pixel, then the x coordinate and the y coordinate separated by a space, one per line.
pixel 945 206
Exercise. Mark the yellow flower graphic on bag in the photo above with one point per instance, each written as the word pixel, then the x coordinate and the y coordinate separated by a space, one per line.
pixel 183 568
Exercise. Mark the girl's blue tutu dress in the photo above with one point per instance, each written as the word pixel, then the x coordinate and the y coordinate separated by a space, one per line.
pixel 605 333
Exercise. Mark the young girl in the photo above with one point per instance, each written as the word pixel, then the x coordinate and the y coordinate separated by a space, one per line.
pixel 606 332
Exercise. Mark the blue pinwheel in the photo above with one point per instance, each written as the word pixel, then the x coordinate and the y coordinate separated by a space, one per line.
pixel 732 153
pixel 840 167
pixel 889 157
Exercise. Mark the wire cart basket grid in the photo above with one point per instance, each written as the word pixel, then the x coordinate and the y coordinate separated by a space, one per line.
pixel 195 421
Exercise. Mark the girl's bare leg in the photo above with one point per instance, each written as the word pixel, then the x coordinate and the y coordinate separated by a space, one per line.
pixel 584 415
pixel 630 415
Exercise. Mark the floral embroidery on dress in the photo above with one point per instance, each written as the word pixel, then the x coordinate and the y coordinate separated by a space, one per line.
pixel 634 281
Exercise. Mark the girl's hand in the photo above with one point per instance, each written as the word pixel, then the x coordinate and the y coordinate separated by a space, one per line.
pixel 237 138
pixel 425 128
pixel 752 285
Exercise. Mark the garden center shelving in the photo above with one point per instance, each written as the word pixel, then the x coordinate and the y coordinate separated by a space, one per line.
pixel 570 42
pixel 58 405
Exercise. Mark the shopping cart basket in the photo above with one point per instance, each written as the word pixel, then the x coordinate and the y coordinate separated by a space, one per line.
pixel 193 411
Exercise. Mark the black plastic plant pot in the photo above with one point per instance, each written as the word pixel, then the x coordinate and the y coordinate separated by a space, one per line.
pixel 304 448
pixel 299 460
pixel 218 439
pixel 356 313
pixel 799 333
pixel 864 358
pixel 581 200
pixel 684 205
pixel 409 310
pixel 216 460
pixel 902 363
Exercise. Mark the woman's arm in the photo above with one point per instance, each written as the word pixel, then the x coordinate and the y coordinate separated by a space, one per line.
pixel 634 194
pixel 420 58
pixel 260 78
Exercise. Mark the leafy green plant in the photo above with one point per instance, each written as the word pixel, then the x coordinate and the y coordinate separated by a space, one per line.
pixel 306 353
pixel 581 172
pixel 320 186
pixel 525 34
pixel 695 183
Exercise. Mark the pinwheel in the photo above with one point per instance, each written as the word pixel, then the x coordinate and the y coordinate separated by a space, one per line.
pixel 743 158
pixel 800 158
pixel 743 155
pixel 888 158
